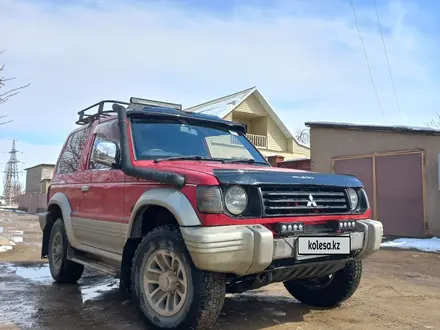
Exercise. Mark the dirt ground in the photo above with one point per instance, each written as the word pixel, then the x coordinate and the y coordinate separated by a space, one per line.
pixel 399 290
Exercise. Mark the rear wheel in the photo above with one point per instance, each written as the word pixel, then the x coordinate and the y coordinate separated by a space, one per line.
pixel 170 291
pixel 329 290
pixel 61 269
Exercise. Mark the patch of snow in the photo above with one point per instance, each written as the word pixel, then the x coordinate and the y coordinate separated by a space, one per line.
pixel 16 239
pixel 422 244
pixel 12 243
pixel 4 248
pixel 19 211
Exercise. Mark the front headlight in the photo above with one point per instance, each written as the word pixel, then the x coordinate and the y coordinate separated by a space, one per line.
pixel 236 200
pixel 353 198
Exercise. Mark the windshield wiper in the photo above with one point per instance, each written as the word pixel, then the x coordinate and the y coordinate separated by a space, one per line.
pixel 187 158
pixel 244 160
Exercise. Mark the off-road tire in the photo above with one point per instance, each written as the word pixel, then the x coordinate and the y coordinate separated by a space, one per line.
pixel 69 272
pixel 342 286
pixel 207 290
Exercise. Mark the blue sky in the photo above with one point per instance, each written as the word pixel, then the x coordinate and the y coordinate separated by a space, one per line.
pixel 304 56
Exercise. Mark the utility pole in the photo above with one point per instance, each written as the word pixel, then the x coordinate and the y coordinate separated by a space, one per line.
pixel 12 187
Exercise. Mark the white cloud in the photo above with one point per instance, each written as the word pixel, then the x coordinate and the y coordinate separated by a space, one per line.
pixel 75 55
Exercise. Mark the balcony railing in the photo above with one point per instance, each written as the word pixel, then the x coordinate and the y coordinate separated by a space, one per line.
pixel 260 141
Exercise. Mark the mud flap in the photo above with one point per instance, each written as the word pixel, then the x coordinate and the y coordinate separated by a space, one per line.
pixel 45 243
pixel 126 265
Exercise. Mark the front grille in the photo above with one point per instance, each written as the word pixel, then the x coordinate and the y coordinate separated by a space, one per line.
pixel 303 200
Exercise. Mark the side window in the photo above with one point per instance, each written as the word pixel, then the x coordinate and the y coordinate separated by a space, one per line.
pixel 70 156
pixel 107 131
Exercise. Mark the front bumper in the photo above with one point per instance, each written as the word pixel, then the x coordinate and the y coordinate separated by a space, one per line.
pixel 250 249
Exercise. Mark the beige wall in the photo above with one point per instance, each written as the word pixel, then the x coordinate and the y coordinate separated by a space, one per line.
pixel 286 155
pixel 228 116
pixel 45 186
pixel 327 143
pixel 298 149
pixel 276 140
pixel 263 124
pixel 46 173
pixel 251 106
pixel 34 176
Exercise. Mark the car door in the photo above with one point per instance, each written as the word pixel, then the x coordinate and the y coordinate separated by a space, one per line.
pixel 69 175
pixel 101 209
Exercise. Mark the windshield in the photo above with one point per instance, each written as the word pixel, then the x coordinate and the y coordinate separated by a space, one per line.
pixel 155 139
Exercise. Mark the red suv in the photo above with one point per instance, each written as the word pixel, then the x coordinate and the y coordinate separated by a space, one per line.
pixel 184 209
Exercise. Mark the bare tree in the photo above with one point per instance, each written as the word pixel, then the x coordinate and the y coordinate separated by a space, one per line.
pixel 303 135
pixel 71 155
pixel 435 122
pixel 6 95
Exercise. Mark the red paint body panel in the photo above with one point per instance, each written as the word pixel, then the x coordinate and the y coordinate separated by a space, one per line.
pixel 71 187
pixel 105 199
pixel 134 188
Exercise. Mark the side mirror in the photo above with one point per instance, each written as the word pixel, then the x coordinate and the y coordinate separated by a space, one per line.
pixel 106 153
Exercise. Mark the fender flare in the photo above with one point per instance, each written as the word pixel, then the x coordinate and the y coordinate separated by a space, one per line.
pixel 171 199
pixel 62 201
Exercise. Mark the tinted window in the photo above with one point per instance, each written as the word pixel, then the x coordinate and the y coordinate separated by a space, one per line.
pixel 69 159
pixel 154 139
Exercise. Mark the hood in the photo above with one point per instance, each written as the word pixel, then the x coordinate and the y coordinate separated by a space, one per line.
pixel 247 174
pixel 283 177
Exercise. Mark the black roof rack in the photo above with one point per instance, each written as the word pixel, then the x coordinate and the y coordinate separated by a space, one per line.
pixel 135 103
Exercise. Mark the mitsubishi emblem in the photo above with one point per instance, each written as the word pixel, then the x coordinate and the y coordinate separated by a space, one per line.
pixel 311 202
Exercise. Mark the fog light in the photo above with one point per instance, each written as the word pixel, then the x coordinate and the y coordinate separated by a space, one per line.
pixel 288 228
pixel 349 224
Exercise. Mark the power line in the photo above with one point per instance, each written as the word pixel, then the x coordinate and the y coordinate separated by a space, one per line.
pixel 366 57
pixel 12 187
pixel 388 61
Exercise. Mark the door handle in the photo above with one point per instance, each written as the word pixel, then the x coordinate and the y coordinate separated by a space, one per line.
pixel 85 188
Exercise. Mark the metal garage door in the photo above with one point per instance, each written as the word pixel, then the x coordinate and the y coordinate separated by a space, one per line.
pixel 400 194
pixel 395 186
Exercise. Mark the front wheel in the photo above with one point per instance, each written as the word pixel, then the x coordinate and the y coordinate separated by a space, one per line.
pixel 169 290
pixel 329 290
